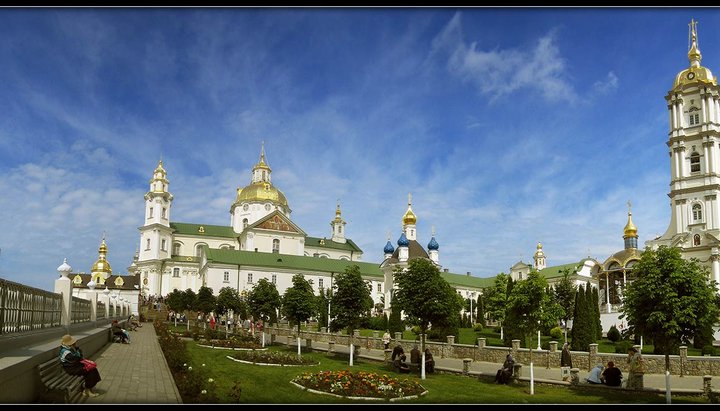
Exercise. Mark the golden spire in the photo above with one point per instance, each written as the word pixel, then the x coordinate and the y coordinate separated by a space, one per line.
pixel 338 218
pixel 409 217
pixel 630 229
pixel 694 53
pixel 101 265
pixel 539 252
pixel 262 163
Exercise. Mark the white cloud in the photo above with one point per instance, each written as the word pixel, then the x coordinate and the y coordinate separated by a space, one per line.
pixel 607 85
pixel 500 72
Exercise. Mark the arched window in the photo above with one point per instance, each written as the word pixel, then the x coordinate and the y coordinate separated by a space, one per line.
pixel 697 212
pixel 695 162
pixel 696 239
pixel 198 250
pixel 147 244
pixel 245 223
pixel 276 246
pixel 176 272
pixel 176 249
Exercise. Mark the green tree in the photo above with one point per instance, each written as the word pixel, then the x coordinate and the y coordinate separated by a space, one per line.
pixel 480 312
pixel 425 297
pixel 496 298
pixel 531 307
pixel 205 301
pixel 229 299
pixel 395 322
pixel 351 300
pixel 298 302
pixel 264 301
pixel 564 293
pixel 176 301
pixel 596 313
pixel 585 325
pixel 669 299
pixel 322 300
pixel 189 299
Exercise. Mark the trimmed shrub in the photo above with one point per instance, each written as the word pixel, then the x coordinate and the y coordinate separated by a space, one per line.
pixel 708 350
pixel 613 334
pixel 556 333
pixel 477 327
pixel 621 347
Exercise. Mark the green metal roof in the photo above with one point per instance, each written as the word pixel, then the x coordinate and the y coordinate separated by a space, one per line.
pixel 467 280
pixel 348 246
pixel 207 230
pixel 555 271
pixel 289 262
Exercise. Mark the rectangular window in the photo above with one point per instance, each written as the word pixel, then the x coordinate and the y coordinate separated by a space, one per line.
pixel 176 272
pixel 164 212
pixel 274 278
pixel 697 118
pixel 692 120
pixel 151 212
pixel 320 283
pixel 379 287
pixel 226 277
pixel 147 244
pixel 249 278
pixel 164 245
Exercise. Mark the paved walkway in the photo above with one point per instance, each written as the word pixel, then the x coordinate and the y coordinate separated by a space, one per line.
pixel 656 382
pixel 134 373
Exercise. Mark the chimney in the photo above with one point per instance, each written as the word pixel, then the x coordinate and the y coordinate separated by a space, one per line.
pixel 468 273
pixel 446 270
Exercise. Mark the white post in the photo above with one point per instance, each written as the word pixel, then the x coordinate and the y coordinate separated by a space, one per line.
pixel 263 337
pixel 472 324
pixel 352 350
pixel 641 344
pixel 298 340
pixel 667 387
pixel 106 293
pixel 501 331
pixel 539 341
pixel 532 380
pixel 422 367
pixel 63 286
pixel 93 300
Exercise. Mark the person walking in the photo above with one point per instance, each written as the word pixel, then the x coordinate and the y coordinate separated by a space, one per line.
pixel 386 339
pixel 636 369
pixel 565 362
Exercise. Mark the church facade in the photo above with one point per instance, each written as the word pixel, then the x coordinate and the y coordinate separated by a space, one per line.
pixel 694 134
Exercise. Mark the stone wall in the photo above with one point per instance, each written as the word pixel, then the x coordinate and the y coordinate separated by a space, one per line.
pixel 655 364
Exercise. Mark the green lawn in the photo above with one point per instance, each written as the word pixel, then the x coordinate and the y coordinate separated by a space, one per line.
pixel 271 385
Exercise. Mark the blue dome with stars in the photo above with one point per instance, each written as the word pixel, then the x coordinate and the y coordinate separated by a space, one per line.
pixel 433 245
pixel 403 241
pixel 389 249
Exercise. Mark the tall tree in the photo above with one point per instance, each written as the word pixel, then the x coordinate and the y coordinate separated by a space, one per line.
pixel 480 313
pixel 351 300
pixel 190 300
pixel 564 293
pixel 322 299
pixel 205 300
pixel 298 303
pixel 229 299
pixel 496 298
pixel 395 322
pixel 596 313
pixel 264 301
pixel 176 301
pixel 530 307
pixel 425 296
pixel 669 299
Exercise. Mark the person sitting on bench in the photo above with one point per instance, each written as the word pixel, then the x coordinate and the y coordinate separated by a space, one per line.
pixel 429 361
pixel 503 375
pixel 119 332
pixel 401 365
pixel 415 357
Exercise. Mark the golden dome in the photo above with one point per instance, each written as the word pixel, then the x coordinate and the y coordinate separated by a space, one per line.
pixel 696 72
pixel 338 217
pixel 102 265
pixel 630 229
pixel 409 217
pixel 261 192
pixel 539 252
pixel 159 168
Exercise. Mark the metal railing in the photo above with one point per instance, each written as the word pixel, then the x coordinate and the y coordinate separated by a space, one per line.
pixel 24 308
pixel 100 310
pixel 79 310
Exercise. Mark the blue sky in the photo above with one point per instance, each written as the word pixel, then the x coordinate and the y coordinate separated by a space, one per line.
pixel 509 126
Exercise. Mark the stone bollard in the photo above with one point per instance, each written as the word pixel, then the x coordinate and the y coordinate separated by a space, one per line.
pixel 451 339
pixel 376 334
pixel 331 348
pixel 308 344
pixel 574 376
pixel 683 359
pixel 356 333
pixel 388 354
pixel 323 330
pixel 481 342
pixel 553 346
pixel 707 385
pixel 480 348
pixel 592 356
pixel 398 337
pixel 517 372
pixel 466 365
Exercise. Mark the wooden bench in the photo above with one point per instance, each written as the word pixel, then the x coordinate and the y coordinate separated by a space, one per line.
pixel 54 377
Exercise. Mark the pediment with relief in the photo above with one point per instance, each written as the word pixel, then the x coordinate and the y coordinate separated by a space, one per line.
pixel 278 223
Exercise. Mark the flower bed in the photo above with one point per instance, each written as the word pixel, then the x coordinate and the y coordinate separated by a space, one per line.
pixel 231 343
pixel 360 385
pixel 270 358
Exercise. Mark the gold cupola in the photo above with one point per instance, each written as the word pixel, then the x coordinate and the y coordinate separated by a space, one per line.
pixel 338 214
pixel 261 189
pixel 630 232
pixel 409 217
pixel 695 73
pixel 539 252
pixel 101 270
